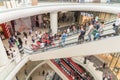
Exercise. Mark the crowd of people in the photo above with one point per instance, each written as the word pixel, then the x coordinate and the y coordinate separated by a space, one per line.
pixel 40 40
pixel 107 76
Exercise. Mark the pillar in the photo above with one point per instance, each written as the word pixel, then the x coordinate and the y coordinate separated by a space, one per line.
pixel 3 55
pixel 54 22
pixel 34 2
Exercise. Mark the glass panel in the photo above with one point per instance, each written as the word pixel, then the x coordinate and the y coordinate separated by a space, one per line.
pixel 59 44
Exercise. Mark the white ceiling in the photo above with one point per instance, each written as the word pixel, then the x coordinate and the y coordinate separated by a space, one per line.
pixel 12 14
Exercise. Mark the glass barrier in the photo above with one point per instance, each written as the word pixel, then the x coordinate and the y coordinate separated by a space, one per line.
pixel 11 65
pixel 70 42
pixel 26 69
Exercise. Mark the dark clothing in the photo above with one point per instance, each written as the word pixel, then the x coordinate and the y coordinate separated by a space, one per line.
pixel 25 34
pixel 20 42
pixel 81 36
pixel 116 30
pixel 104 65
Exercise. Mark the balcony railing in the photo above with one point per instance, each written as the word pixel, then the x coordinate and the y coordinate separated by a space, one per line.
pixel 8 4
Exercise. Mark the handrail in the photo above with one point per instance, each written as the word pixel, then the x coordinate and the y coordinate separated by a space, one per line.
pixel 68 42
pixel 58 44
pixel 11 60
pixel 8 69
pixel 34 68
pixel 87 68
pixel 77 31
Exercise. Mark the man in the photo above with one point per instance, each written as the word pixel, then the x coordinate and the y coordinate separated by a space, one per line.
pixel 81 35
pixel 89 31
pixel 63 38
pixel 117 24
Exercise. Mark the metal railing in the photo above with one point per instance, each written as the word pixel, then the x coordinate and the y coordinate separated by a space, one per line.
pixel 69 42
pixel 87 68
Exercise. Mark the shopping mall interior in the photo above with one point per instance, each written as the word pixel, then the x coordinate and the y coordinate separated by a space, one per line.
pixel 59 39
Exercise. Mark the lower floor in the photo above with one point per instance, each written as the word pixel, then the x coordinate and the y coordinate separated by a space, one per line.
pixel 113 62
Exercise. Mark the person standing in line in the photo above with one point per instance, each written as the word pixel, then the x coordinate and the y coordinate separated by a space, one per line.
pixel 25 34
pixel 33 39
pixel 68 30
pixel 10 43
pixel 17 43
pixel 20 42
pixel 81 35
pixel 30 32
pixel 25 72
pixel 11 52
pixel 30 77
pixel 104 76
pixel 36 33
pixel 25 39
pixel 100 30
pixel 16 77
pixel 89 31
pixel 63 38
pixel 104 65
pixel 43 73
pixel 39 36
pixel 117 24
pixel 42 45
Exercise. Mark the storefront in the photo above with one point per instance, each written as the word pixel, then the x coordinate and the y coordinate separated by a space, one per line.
pixel 5 30
pixel 85 17
pixel 113 62
pixel 22 24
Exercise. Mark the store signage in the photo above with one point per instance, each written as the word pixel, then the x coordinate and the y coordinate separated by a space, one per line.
pixel 87 14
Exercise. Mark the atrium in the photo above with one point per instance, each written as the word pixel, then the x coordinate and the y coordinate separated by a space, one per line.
pixel 59 39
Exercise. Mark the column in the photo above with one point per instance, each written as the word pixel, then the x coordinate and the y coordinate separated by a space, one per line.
pixel 34 2
pixel 54 22
pixel 3 55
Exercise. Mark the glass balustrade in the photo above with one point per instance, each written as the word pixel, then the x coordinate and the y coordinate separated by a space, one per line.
pixel 108 32
pixel 13 62
pixel 26 69
pixel 11 65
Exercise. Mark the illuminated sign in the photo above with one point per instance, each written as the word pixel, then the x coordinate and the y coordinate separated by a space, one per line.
pixel 87 14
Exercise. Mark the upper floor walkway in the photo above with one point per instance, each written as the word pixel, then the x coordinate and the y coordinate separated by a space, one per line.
pixel 26 11
pixel 72 49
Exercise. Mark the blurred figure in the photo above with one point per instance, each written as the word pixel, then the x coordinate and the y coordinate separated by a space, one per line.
pixel 63 38
pixel 117 24
pixel 89 31
pixel 81 35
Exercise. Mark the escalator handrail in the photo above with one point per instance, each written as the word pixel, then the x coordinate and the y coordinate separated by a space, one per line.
pixel 51 47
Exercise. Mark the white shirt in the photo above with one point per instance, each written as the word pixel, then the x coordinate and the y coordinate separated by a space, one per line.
pixel 42 45
pixel 36 32
pixel 117 22
pixel 68 30
pixel 25 38
pixel 89 30
pixel 39 36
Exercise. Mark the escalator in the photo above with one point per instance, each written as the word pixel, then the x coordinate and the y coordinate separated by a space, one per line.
pixel 108 43
pixel 72 70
